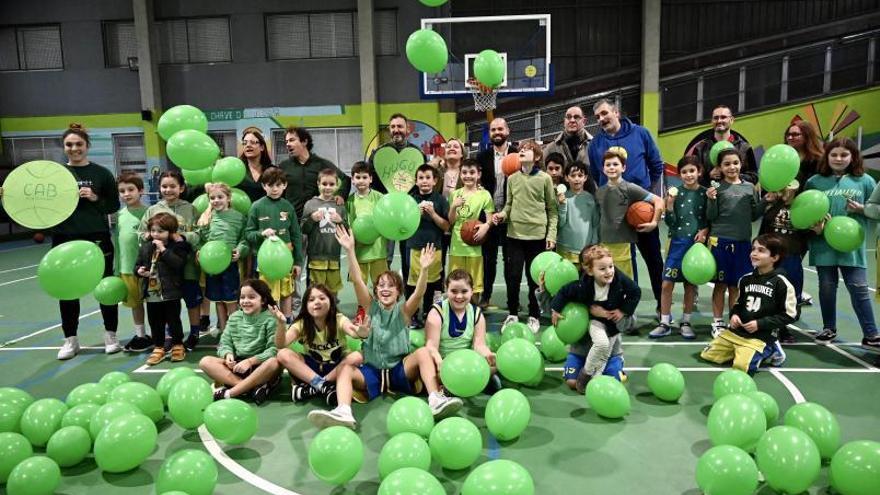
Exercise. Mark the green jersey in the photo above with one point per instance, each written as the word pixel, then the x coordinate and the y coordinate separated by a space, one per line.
pixel 358 205
pixel 475 202
pixel 127 239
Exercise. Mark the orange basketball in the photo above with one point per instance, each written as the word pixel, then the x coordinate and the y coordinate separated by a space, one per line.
pixel 639 213
pixel 468 229
pixel 510 164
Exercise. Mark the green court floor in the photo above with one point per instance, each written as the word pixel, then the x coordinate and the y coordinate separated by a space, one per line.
pixel 567 448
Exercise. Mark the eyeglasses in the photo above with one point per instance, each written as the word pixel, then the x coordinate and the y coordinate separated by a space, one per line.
pixel 574 117
pixel 793 134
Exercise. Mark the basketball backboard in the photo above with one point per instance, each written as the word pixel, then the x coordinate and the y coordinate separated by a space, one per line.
pixel 522 40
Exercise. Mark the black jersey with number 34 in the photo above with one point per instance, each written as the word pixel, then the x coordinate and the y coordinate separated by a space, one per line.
pixel 770 299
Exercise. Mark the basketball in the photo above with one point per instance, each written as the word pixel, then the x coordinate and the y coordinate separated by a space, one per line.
pixel 639 213
pixel 468 229
pixel 510 164
pixel 39 237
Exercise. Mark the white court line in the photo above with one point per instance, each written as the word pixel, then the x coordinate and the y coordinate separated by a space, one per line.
pixel 16 269
pixel 791 387
pixel 707 369
pixel 87 348
pixel 237 469
pixel 149 369
pixel 16 281
pixel 706 342
pixel 44 330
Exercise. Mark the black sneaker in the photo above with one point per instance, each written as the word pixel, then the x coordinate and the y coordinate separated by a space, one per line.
pixel 191 342
pixel 785 337
pixel 220 393
pixel 261 394
pixel 415 323
pixel 302 392
pixel 872 342
pixel 328 392
pixel 825 336
pixel 138 344
pixel 493 386
pixel 205 322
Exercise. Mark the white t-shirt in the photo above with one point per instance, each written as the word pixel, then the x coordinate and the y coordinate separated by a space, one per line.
pixel 601 291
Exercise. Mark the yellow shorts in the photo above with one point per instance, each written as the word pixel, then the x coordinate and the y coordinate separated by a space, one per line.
pixel 370 270
pixel 415 267
pixel 135 295
pixel 570 256
pixel 281 289
pixel 472 265
pixel 325 272
pixel 621 253
pixel 746 354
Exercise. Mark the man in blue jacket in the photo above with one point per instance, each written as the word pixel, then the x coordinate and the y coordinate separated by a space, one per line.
pixel 644 167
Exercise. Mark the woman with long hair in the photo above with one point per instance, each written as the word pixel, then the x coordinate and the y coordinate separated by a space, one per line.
pixel 803 137
pixel 255 155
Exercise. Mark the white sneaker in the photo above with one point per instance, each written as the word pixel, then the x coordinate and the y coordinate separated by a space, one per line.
pixel 777 359
pixel 322 418
pixel 214 332
pixel 533 324
pixel 687 331
pixel 507 321
pixel 717 328
pixel 111 343
pixel 445 406
pixel 69 349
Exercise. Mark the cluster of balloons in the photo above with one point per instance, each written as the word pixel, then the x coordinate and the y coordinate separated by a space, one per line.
pixel 336 454
pixel 184 128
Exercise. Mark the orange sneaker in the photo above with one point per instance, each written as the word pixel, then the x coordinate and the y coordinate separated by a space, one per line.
pixel 156 357
pixel 178 353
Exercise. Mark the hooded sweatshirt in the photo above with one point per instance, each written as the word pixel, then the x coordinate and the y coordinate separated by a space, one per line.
pixel 644 166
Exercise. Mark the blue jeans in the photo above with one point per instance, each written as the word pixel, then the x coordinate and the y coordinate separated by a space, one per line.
pixel 794 272
pixel 856 280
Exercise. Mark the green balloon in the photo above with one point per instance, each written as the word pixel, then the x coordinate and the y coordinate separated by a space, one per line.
pixel 507 414
pixel 191 471
pixel 788 458
pixel 198 177
pixel 416 339
pixel 215 257
pixel 192 150
pixel 666 382
pixel 336 455
pixel 274 260
pixel 125 443
pixel 809 208
pixel 768 404
pixel 142 396
pixel 552 347
pixel 71 270
pixel 517 330
pixel 733 381
pixel 14 448
pixel 489 68
pixel 410 480
pixel 69 445
pixel 558 275
pixel 88 393
pixel 41 419
pixel 355 345
pixel 34 476
pixel 109 412
pixel 494 340
pixel 698 265
pixel 465 373
pixel 855 468
pixel 716 148
pixel 80 415
pixel 727 470
pixel 114 379
pixel 169 379
pixel 779 166
pixel 179 118
pixel 536 380
pixel 433 3
pixel 499 477
pixel 518 360
pixel 229 170
pixel 240 201
pixel 844 234
pixel 736 420
pixel 111 291
pixel 404 450
pixel 364 230
pixel 818 423
pixel 397 216
pixel 541 263
pixel 608 397
pixel 573 324
pixel 187 401
pixel 231 421
pixel 410 414
pixel 10 416
pixel 426 51
pixel 455 443
pixel 201 203
pixel 13 395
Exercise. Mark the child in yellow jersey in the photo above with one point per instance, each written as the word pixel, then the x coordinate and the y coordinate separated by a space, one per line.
pixel 469 203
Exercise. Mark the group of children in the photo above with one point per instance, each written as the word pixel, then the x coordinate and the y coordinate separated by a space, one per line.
pixel 762 278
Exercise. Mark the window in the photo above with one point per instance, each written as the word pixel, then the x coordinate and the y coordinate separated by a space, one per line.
pixel 30 48
pixel 763 84
pixel 326 35
pixel 849 68
pixel 227 141
pixel 129 154
pixel 342 146
pixel 678 105
pixel 721 88
pixel 26 149
pixel 120 43
pixel 189 41
pixel 806 74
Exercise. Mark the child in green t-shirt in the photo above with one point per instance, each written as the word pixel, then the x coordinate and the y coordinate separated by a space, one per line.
pixel 372 257
pixel 467 203
pixel 127 219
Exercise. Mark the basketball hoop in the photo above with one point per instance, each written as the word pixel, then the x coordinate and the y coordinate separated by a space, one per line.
pixel 484 96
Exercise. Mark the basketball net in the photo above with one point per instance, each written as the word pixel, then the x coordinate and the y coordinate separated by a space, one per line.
pixel 484 97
